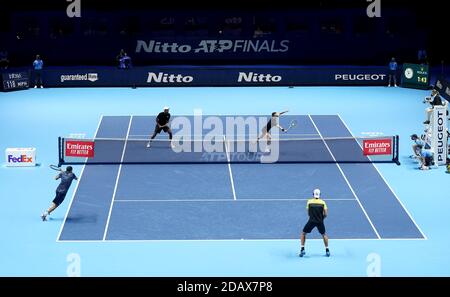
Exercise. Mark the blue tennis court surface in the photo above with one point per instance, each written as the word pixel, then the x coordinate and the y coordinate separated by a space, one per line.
pixel 182 219
pixel 146 202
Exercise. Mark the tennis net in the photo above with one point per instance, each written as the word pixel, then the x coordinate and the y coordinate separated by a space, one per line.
pixel 219 149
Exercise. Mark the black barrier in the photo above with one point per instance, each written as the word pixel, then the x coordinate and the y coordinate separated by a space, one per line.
pixel 185 76
pixel 443 86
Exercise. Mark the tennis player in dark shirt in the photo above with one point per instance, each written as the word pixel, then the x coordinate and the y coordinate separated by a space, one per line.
pixel 317 212
pixel 162 124
pixel 273 122
pixel 66 181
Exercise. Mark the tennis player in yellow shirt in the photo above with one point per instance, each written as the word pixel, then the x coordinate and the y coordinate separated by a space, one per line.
pixel 317 212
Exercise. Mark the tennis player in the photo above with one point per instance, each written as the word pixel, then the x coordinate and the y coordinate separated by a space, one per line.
pixel 66 180
pixel 317 212
pixel 162 124
pixel 273 122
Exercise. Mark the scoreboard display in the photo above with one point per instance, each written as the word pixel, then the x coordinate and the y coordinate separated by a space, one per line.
pixel 15 80
pixel 415 76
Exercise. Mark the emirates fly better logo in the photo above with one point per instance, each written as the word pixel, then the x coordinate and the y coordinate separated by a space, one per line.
pixel 377 147
pixel 78 148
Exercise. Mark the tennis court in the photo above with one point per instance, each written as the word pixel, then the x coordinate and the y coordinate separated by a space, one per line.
pixel 230 201
pixel 353 100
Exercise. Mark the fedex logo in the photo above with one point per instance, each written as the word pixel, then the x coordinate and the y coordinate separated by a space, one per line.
pixel 20 159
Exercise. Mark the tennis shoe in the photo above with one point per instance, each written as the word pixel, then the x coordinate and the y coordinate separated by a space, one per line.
pixel 327 253
pixel 44 217
pixel 302 253
pixel 149 145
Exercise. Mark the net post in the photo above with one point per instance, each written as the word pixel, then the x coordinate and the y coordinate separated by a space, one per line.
pixel 396 157
pixel 60 152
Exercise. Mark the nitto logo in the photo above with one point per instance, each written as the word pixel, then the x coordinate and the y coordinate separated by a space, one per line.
pixel 257 77
pixel 20 159
pixel 162 77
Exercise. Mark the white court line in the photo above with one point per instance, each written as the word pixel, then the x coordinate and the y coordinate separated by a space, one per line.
pixel 390 188
pixel 117 179
pixel 76 187
pixel 229 168
pixel 236 240
pixel 219 200
pixel 346 180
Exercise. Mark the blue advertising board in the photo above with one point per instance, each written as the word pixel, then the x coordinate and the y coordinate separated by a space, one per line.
pixel 184 76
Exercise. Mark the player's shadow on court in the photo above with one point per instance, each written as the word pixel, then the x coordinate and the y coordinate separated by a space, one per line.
pixel 82 219
pixel 56 219
pixel 317 255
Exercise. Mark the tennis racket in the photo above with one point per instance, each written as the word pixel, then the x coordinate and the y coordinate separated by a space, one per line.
pixel 56 168
pixel 291 125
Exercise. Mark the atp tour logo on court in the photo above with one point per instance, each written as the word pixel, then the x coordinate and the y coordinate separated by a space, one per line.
pixel 241 143
pixel 377 147
pixel 81 149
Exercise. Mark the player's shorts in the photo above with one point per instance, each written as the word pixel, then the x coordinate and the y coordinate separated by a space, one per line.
pixel 59 198
pixel 311 225
pixel 165 129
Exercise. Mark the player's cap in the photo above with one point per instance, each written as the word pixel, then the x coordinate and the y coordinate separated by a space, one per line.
pixel 69 168
pixel 316 193
pixel 414 136
pixel 166 108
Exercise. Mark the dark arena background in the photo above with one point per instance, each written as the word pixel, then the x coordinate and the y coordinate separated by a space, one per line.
pixel 353 95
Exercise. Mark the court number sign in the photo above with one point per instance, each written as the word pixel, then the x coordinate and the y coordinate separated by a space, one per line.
pixel 415 76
